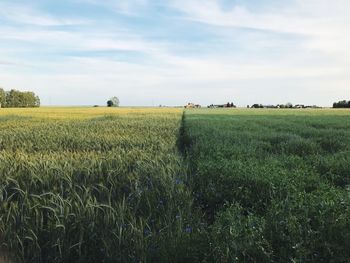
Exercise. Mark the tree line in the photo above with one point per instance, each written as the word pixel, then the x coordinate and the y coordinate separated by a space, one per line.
pixel 342 104
pixel 18 99
pixel 284 106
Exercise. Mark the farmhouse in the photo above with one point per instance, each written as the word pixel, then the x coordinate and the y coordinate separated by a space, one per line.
pixel 192 106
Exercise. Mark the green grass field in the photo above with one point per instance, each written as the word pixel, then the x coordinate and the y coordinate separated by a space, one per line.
pixel 274 184
pixel 163 185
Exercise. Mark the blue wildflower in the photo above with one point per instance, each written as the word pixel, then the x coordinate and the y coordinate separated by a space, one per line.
pixel 188 229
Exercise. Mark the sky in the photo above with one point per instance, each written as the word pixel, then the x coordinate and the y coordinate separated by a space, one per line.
pixel 170 52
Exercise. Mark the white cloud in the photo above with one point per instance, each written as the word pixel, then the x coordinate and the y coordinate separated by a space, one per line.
pixel 27 15
pixel 86 39
pixel 4 62
pixel 126 7
pixel 326 23
pixel 297 53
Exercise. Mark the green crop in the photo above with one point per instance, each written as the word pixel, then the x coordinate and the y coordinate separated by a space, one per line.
pixel 273 184
pixel 163 185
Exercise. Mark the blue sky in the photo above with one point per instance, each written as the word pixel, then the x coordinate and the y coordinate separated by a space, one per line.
pixel 151 52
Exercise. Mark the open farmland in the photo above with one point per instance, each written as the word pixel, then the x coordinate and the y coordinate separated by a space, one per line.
pixel 163 185
pixel 274 184
pixel 92 185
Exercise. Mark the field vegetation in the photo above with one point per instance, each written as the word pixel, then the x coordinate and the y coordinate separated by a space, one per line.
pixel 163 185
pixel 93 185
pixel 274 184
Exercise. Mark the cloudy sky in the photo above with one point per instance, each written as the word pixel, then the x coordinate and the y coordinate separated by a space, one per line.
pixel 151 52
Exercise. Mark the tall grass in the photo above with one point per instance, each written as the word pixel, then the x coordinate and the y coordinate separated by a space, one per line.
pixel 98 186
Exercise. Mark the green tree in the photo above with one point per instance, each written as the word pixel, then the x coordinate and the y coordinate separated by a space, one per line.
pixel 342 104
pixel 113 102
pixel 37 101
pixel 11 98
pixel 18 99
pixel 2 98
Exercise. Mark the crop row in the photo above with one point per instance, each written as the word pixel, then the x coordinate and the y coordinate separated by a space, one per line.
pixel 274 188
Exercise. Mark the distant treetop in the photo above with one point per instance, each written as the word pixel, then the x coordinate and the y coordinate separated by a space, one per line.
pixel 342 104
pixel 18 99
pixel 113 102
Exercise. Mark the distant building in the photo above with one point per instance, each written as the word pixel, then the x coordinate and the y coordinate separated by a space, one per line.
pixel 313 107
pixel 192 106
